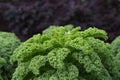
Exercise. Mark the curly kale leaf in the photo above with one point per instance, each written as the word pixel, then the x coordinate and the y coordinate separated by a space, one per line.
pixel 21 71
pixel 70 72
pixel 57 56
pixel 36 63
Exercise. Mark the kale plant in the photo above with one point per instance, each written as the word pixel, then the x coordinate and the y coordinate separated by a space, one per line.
pixel 64 53
pixel 116 58
pixel 8 43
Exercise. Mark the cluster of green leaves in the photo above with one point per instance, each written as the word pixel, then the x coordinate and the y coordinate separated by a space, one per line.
pixel 116 58
pixel 65 53
pixel 8 43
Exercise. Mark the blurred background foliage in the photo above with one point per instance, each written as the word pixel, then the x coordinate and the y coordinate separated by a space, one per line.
pixel 28 17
